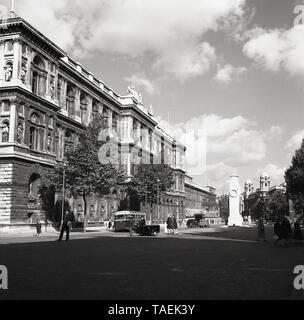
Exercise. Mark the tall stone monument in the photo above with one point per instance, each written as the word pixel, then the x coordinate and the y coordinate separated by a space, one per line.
pixel 235 218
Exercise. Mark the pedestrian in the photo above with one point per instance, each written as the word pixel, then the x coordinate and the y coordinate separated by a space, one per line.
pixel 286 230
pixel 278 232
pixel 38 228
pixel 297 233
pixel 261 230
pixel 66 226
pixel 46 224
pixel 175 226
pixel 169 224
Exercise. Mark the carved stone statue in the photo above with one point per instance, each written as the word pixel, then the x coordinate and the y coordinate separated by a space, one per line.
pixel 23 75
pixel 34 118
pixel 151 109
pixel 49 142
pixel 19 133
pixel 8 72
pixel 52 88
pixel 5 132
pixel 134 94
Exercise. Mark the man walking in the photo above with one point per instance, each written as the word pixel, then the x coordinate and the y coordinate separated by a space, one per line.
pixel 175 226
pixel 261 230
pixel 169 224
pixel 66 225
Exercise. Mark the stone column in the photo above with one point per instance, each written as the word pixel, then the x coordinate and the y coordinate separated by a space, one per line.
pixel 13 120
pixel 28 67
pixel 17 58
pixel 48 80
pixel 89 110
pixel 46 131
pixel 77 104
pixel 64 94
pixel 2 61
pixel 110 119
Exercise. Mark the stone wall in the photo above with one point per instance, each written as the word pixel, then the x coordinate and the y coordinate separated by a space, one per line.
pixel 15 206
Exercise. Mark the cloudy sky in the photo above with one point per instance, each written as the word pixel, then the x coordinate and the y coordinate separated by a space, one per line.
pixel 224 76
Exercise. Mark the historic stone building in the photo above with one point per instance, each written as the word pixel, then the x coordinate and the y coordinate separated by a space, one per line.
pixel 251 196
pixel 46 99
pixel 199 199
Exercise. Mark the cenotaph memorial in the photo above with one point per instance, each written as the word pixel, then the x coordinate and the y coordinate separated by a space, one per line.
pixel 235 218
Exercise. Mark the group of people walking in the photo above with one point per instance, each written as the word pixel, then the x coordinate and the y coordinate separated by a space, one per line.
pixel 172 226
pixel 284 233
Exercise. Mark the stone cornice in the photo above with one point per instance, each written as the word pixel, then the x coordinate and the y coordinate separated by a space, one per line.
pixel 21 95
pixel 19 25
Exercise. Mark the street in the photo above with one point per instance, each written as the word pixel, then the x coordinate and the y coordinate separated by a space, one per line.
pixel 120 267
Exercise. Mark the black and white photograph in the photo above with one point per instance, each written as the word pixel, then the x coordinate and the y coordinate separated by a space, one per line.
pixel 151 152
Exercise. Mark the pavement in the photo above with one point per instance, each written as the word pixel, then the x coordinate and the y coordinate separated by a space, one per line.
pixel 52 235
pixel 196 264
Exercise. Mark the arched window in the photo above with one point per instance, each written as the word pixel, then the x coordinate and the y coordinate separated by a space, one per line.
pixel 5 131
pixel 38 76
pixel 34 185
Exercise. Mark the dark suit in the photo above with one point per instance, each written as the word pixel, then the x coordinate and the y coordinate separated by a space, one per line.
pixel 65 227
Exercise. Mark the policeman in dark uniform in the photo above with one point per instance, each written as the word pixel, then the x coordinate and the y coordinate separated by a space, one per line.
pixel 66 226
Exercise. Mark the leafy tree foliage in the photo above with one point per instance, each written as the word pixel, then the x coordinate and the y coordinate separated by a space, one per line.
pixel 148 177
pixel 224 206
pixel 277 205
pixel 260 208
pixel 84 172
pixel 294 177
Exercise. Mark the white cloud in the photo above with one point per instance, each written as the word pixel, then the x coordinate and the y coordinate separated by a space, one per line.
pixel 277 49
pixel 275 132
pixel 226 74
pixel 142 81
pixel 219 175
pixel 235 141
pixel 171 30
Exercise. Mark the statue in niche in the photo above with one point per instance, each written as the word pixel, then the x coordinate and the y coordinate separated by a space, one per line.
pixel 5 132
pixel 19 133
pixel 8 72
pixel 23 73
pixel 49 142
pixel 52 88
pixel 34 118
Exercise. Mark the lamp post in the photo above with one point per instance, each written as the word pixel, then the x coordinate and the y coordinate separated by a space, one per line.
pixel 63 194
pixel 146 203
pixel 158 182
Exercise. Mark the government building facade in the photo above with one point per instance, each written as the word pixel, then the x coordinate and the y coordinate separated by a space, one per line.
pixel 46 100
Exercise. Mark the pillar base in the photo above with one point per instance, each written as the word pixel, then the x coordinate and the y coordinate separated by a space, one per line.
pixel 235 221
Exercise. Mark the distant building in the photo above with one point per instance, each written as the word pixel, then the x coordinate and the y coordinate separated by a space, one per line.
pixel 199 199
pixel 252 196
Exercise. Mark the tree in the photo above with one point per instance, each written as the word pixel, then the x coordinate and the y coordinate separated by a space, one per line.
pixel 84 174
pixel 147 179
pixel 294 177
pixel 224 206
pixel 260 208
pixel 277 205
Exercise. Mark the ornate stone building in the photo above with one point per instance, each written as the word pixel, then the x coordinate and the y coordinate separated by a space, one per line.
pixel 46 99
